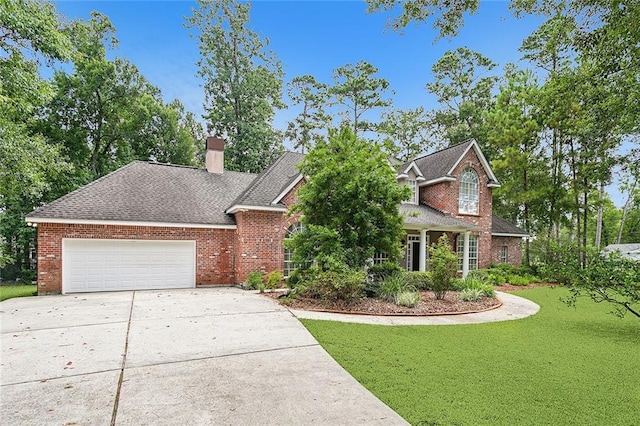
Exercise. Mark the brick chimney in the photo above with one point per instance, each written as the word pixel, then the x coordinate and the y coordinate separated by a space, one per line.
pixel 215 155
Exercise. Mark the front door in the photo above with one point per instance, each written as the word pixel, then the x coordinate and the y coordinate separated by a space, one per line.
pixel 413 252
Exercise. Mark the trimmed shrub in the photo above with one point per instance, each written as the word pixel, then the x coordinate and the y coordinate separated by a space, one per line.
pixel 419 280
pixel 407 298
pixel 346 286
pixel 392 285
pixel 254 279
pixel 380 271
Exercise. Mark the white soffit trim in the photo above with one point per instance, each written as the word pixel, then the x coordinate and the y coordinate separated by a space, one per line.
pixel 437 228
pixel 500 234
pixel 482 158
pixel 287 189
pixel 438 180
pixel 240 207
pixel 127 223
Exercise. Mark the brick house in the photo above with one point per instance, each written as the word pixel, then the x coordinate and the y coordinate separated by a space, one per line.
pixel 154 226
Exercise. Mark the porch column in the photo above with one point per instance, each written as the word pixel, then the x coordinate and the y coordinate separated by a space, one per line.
pixel 465 255
pixel 423 250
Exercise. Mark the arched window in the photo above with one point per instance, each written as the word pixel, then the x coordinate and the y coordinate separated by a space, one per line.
pixel 469 192
pixel 289 266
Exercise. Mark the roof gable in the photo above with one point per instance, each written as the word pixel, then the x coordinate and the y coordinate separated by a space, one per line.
pixel 439 166
pixel 266 192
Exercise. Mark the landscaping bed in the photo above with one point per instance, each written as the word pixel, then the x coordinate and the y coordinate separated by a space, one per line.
pixel 428 305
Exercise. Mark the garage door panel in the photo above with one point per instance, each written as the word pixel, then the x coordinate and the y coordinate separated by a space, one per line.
pixel 111 265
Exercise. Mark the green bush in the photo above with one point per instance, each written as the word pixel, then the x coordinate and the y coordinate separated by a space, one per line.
pixel 483 275
pixel 380 271
pixel 419 280
pixel 254 279
pixel 393 285
pixel 443 266
pixel 497 278
pixel 273 279
pixel 473 283
pixel 517 280
pixel 346 286
pixel 471 294
pixel 407 298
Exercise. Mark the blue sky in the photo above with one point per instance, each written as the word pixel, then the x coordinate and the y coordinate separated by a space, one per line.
pixel 309 37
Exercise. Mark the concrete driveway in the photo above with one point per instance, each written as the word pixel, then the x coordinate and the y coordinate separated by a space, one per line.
pixel 203 356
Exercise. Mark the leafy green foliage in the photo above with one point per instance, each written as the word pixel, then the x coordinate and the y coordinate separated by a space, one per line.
pixel 273 279
pixel 254 279
pixel 393 285
pixel 611 279
pixel 471 294
pixel 313 96
pixel 346 286
pixel 357 91
pixel 405 132
pixel 443 265
pixel 349 204
pixel 419 280
pixel 465 94
pixel 242 81
pixel 584 354
pixel 409 299
pixel 382 270
pixel 472 283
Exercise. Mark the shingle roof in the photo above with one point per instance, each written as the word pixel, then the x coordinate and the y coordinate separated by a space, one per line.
pixel 501 226
pixel 271 182
pixel 438 164
pixel 425 215
pixel 151 192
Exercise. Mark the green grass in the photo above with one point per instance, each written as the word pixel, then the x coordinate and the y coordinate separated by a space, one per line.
pixel 11 291
pixel 561 366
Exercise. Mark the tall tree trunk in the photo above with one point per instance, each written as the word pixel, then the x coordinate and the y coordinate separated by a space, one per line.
pixel 599 218
pixel 625 212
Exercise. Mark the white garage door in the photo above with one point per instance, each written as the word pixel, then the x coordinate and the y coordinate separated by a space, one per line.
pixel 112 265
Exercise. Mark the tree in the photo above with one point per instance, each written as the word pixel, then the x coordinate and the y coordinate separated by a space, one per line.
pixel 464 90
pixel 349 203
pixel 519 163
pixel 406 132
pixel 443 264
pixel 305 129
pixel 608 278
pixel 106 114
pixel 448 14
pixel 357 91
pixel 242 82
pixel 30 32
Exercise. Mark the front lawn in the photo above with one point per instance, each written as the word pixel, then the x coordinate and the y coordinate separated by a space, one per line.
pixel 11 291
pixel 561 366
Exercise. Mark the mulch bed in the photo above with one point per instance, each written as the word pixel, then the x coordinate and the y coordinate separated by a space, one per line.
pixel 450 305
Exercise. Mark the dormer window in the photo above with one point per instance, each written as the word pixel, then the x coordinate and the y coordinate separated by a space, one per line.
pixel 469 192
pixel 413 198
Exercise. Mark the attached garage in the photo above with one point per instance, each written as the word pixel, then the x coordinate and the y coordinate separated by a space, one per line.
pixel 91 265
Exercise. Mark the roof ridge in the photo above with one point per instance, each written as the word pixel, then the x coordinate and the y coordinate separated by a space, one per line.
pixel 157 163
pixel 83 187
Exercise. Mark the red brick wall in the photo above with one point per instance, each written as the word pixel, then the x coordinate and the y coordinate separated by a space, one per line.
pixel 514 249
pixel 260 238
pixel 444 197
pixel 214 249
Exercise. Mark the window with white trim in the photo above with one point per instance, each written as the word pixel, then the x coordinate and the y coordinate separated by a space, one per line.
pixel 469 196
pixel 504 254
pixel 379 258
pixel 289 265
pixel 413 186
pixel 473 252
